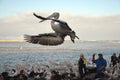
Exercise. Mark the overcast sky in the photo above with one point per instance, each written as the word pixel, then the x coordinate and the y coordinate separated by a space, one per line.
pixel 90 19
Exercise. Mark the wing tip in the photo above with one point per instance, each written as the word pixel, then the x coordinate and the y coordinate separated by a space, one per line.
pixel 27 38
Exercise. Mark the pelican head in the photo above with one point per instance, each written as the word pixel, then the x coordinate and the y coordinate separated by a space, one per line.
pixel 55 15
pixel 73 36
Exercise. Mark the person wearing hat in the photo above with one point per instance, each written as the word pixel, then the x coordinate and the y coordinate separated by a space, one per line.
pixel 100 65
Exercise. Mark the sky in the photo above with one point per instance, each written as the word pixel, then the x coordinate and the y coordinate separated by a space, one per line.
pixel 91 19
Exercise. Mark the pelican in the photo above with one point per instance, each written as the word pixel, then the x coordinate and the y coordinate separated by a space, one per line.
pixel 46 39
pixel 58 26
pixel 61 29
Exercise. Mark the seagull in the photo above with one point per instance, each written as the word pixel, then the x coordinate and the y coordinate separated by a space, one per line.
pixel 59 26
pixel 46 39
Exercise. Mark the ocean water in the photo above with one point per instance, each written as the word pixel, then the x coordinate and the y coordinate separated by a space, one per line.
pixel 12 53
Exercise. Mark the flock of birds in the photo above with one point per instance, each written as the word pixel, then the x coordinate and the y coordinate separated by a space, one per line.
pixel 61 30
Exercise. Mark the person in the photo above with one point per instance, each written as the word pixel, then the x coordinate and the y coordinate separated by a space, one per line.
pixel 55 75
pixel 42 76
pixel 114 59
pixel 21 76
pixel 82 66
pixel 4 76
pixel 1 77
pixel 119 58
pixel 31 75
pixel 100 65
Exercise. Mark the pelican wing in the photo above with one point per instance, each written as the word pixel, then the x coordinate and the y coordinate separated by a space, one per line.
pixel 45 39
pixel 62 23
pixel 40 17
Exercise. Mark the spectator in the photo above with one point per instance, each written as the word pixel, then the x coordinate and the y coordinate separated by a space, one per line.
pixel 4 76
pixel 114 59
pixel 31 75
pixel 42 76
pixel 119 58
pixel 81 66
pixel 100 64
pixel 84 65
pixel 55 76
pixel 21 76
pixel 1 77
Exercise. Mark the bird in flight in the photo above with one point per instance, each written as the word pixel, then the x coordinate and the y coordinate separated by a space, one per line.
pixel 61 30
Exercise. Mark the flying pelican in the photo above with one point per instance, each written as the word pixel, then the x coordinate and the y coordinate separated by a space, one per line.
pixel 58 26
pixel 61 29
pixel 46 39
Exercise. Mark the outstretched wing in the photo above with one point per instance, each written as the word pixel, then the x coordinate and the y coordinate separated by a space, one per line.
pixel 40 17
pixel 44 39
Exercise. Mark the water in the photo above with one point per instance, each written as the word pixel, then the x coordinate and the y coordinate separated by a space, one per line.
pixel 12 53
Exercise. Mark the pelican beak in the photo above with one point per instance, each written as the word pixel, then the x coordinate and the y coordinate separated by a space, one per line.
pixel 72 40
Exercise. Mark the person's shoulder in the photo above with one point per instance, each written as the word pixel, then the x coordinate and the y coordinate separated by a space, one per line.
pixel 104 60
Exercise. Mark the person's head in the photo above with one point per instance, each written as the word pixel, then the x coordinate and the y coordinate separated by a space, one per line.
pixel 31 74
pixel 100 55
pixel 22 72
pixel 81 56
pixel 53 73
pixel 114 54
pixel 4 75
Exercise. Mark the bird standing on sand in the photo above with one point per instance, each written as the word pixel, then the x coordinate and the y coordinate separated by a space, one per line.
pixel 61 29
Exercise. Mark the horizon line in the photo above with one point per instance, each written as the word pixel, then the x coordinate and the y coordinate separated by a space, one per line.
pixel 1 40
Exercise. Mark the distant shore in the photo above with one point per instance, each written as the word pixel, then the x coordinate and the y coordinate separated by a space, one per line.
pixel 2 40
pixel 12 40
